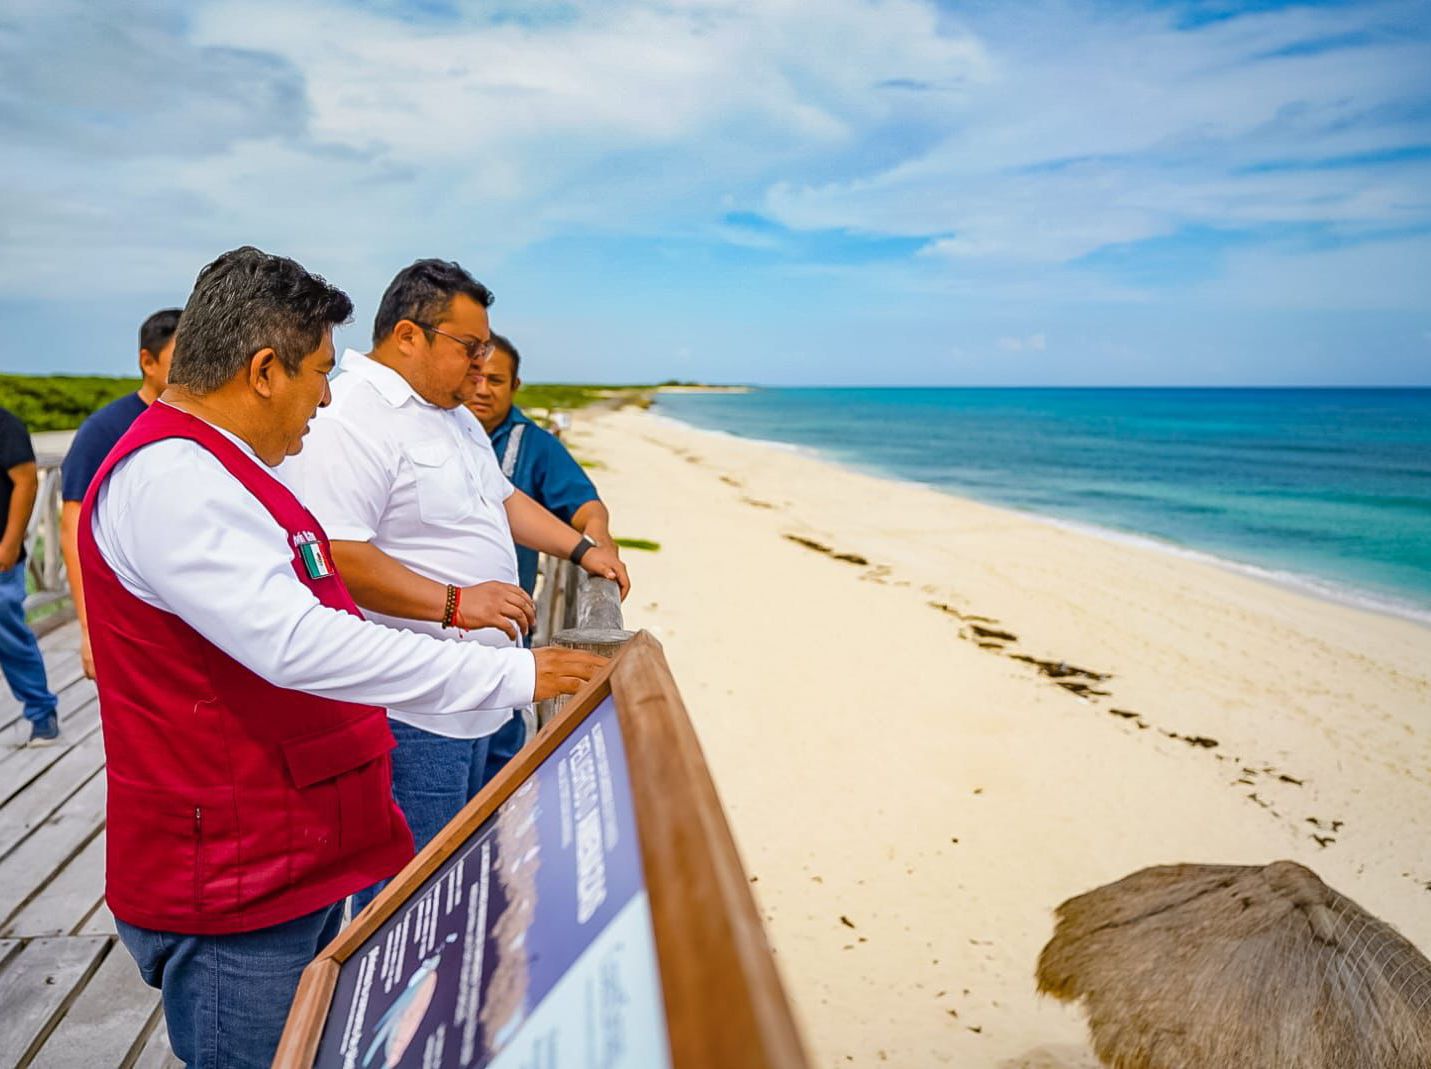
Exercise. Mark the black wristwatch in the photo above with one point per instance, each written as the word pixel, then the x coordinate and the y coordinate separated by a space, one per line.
pixel 580 549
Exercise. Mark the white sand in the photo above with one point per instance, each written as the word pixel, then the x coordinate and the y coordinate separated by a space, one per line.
pixel 878 765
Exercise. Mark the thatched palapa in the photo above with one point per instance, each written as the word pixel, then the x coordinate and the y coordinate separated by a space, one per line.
pixel 1239 967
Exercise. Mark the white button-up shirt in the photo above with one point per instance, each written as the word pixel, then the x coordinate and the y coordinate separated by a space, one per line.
pixel 422 484
pixel 184 536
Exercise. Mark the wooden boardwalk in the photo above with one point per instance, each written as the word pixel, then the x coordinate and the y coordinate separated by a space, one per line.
pixel 70 995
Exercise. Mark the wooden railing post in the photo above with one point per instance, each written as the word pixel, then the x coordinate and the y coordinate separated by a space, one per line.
pixel 594 622
pixel 45 561
pixel 547 620
pixel 598 627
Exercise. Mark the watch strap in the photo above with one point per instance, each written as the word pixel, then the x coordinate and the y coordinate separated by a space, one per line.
pixel 580 549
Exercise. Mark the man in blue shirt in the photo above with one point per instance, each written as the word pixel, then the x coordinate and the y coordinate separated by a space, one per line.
pixel 539 465
pixel 94 440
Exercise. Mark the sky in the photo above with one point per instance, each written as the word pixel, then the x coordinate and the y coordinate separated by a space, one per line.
pixel 901 192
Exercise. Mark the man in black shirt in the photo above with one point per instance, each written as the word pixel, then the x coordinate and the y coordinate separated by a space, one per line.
pixel 19 652
pixel 94 440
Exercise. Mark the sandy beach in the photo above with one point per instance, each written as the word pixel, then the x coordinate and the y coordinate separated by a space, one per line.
pixel 931 721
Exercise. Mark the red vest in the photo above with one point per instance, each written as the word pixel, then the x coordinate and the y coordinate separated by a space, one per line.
pixel 233 804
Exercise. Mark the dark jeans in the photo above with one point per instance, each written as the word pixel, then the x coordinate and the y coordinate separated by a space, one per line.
pixel 433 778
pixel 19 652
pixel 226 997
pixel 503 745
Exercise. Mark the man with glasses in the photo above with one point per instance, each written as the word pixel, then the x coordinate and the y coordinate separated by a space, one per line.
pixel 422 521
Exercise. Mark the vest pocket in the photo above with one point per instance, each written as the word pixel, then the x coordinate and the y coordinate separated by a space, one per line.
pixel 172 851
pixel 343 772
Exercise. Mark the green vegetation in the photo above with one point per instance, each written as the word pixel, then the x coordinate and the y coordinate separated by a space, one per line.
pixel 639 543
pixel 59 402
pixel 550 395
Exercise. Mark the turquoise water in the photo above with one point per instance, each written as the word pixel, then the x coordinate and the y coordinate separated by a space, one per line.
pixel 1327 488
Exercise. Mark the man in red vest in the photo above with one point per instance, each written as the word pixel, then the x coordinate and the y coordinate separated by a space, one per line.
pixel 249 778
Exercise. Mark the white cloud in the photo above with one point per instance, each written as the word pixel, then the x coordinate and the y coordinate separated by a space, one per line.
pixel 619 117
pixel 1034 343
pixel 1092 132
pixel 383 135
pixel 1157 126
pixel 1015 141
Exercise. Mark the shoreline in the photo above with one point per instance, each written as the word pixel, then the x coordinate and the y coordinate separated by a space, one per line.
pixel 930 721
pixel 1321 588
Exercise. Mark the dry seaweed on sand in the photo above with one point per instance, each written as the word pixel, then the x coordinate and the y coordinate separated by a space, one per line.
pixel 1239 967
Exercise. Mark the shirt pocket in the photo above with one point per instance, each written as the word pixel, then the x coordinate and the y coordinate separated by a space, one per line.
pixel 443 495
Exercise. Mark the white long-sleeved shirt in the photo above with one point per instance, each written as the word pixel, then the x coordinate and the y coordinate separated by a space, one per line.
pixel 185 537
pixel 419 482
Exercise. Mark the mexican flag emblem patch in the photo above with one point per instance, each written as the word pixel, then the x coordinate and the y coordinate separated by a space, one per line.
pixel 314 555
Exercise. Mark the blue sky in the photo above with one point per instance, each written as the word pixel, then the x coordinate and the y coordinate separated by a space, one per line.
pixel 901 192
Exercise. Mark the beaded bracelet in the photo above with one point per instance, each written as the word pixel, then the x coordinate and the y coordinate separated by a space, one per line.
pixel 449 611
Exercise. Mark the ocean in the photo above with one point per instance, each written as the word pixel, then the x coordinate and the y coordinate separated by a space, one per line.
pixel 1325 489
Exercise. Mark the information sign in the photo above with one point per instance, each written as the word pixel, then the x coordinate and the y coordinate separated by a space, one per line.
pixel 587 909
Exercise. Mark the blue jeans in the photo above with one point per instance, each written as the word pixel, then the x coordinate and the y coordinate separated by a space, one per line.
pixel 433 778
pixel 19 652
pixel 504 744
pixel 226 997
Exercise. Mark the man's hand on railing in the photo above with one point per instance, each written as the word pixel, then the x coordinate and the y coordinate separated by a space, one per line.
pixel 504 606
pixel 603 560
pixel 563 671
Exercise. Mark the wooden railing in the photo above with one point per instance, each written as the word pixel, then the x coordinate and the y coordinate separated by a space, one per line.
pixel 45 560
pixel 574 609
pixel 577 610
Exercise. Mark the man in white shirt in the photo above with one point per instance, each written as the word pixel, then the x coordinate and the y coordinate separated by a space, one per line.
pixel 405 482
pixel 249 787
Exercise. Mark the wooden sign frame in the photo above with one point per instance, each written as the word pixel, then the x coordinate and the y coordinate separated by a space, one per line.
pixel 723 1000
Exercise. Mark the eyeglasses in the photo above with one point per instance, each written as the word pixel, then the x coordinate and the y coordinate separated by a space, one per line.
pixel 477 348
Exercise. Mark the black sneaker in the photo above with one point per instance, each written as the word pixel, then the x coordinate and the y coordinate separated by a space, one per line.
pixel 46 731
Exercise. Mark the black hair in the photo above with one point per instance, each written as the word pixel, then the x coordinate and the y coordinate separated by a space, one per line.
pixel 248 300
pixel 505 344
pixel 155 332
pixel 421 292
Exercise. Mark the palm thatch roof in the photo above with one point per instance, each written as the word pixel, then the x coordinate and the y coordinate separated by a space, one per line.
pixel 1239 967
